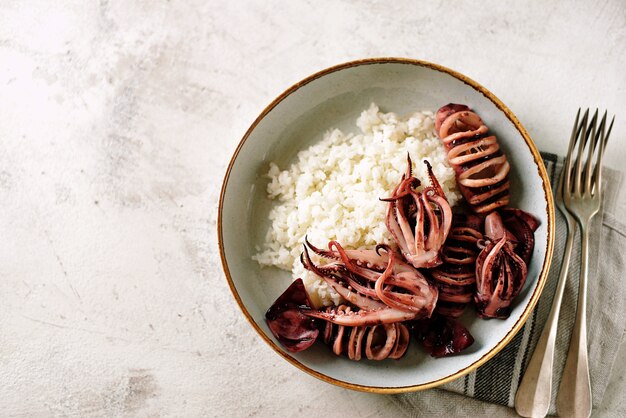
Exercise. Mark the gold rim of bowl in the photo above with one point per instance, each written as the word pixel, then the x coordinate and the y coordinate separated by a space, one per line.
pixel 549 209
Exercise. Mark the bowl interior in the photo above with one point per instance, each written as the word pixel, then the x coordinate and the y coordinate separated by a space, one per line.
pixel 300 117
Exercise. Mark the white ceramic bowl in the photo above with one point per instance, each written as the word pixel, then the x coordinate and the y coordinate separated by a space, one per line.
pixel 334 98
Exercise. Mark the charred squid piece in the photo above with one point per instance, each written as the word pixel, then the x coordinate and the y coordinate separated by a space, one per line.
pixel 530 220
pixel 482 170
pixel 522 226
pixel 405 288
pixel 419 221
pixel 441 336
pixel 500 272
pixel 338 277
pixel 456 277
pixel 447 110
pixel 399 286
pixel 372 312
pixel 376 342
pixel 294 330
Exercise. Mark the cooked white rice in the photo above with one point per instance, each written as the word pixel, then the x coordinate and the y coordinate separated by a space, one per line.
pixel 332 190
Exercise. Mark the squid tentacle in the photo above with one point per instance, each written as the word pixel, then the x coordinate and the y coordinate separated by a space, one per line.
pixel 419 222
pixel 500 271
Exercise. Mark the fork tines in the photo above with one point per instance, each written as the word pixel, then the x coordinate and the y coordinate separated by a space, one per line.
pixel 589 138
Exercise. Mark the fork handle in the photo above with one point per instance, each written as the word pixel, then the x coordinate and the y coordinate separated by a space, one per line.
pixel 574 399
pixel 535 391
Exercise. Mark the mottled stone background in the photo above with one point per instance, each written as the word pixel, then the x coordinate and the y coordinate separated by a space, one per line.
pixel 117 122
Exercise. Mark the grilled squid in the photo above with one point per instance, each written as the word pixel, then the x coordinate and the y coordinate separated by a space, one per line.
pixel 501 266
pixel 377 342
pixel 285 318
pixel 456 277
pixel 381 292
pixel 482 170
pixel 419 221
pixel 386 288
pixel 352 331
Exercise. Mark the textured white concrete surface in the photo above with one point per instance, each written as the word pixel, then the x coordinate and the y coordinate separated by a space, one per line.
pixel 117 121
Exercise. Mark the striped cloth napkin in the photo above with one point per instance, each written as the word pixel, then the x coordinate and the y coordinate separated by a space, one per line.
pixel 497 380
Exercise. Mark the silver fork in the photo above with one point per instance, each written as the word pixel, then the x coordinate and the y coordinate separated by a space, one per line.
pixel 582 195
pixel 535 391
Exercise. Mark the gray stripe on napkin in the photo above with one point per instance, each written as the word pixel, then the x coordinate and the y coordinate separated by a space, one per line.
pixel 497 380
